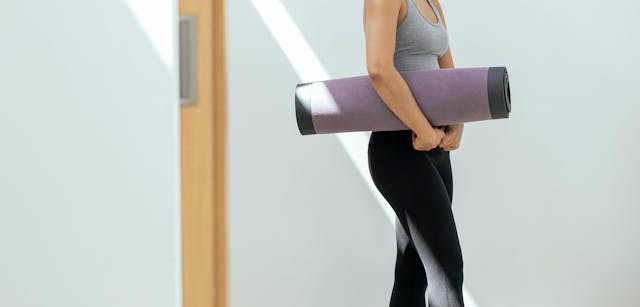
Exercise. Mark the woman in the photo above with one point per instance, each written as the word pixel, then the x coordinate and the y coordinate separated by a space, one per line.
pixel 411 168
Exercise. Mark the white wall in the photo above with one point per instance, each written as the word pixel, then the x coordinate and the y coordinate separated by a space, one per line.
pixel 89 165
pixel 545 202
pixel 292 243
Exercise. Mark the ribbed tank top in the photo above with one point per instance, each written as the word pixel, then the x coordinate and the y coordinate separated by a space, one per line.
pixel 419 42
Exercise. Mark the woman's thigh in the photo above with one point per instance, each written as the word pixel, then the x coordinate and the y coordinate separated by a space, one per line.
pixel 420 196
pixel 445 171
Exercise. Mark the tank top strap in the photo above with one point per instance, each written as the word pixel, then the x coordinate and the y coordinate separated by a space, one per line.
pixel 435 11
pixel 418 14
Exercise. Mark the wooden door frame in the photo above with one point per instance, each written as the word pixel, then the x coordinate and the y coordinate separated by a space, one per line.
pixel 203 164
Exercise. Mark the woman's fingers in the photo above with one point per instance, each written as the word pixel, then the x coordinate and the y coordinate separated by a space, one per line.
pixel 446 140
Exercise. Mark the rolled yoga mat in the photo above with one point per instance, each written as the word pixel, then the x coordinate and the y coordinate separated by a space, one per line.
pixel 445 96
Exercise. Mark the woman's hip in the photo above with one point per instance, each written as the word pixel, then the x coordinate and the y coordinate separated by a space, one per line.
pixel 399 143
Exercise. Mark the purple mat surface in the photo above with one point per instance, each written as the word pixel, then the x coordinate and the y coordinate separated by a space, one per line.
pixel 445 96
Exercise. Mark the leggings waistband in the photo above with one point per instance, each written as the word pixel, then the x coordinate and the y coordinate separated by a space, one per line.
pixel 397 137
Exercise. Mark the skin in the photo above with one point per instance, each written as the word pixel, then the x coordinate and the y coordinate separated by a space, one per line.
pixel 380 20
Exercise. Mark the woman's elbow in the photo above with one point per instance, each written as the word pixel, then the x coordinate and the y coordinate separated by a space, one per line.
pixel 379 72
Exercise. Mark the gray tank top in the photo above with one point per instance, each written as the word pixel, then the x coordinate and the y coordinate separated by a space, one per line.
pixel 419 42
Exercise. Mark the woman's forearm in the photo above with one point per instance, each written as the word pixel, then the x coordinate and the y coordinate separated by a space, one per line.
pixel 395 93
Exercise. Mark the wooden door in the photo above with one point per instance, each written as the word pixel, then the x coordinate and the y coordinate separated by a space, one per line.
pixel 203 148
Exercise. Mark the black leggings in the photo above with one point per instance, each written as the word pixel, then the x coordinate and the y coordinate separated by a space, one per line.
pixel 419 187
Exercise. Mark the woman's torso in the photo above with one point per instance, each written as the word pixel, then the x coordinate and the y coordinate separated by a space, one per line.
pixel 419 43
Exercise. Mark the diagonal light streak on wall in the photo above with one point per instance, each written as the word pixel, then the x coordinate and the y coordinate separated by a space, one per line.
pixel 158 26
pixel 309 68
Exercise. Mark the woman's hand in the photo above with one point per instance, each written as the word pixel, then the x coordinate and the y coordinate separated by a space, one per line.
pixel 427 140
pixel 452 136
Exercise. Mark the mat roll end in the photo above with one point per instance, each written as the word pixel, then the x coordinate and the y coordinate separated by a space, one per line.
pixel 499 92
pixel 303 109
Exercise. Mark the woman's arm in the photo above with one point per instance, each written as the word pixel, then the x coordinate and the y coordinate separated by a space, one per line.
pixel 451 140
pixel 380 22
